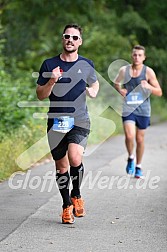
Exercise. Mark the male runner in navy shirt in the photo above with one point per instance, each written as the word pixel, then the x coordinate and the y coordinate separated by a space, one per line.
pixel 66 79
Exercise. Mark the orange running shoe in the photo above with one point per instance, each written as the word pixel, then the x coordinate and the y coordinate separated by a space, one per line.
pixel 67 215
pixel 78 204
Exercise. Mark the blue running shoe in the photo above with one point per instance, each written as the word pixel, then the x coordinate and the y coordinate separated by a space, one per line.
pixel 130 168
pixel 138 173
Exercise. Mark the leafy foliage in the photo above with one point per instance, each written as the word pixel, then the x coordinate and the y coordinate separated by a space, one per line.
pixel 30 31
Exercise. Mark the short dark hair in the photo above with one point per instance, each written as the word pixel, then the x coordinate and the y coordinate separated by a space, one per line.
pixel 75 26
pixel 139 47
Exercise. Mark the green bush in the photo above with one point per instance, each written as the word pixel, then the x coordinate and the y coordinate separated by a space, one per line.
pixel 14 90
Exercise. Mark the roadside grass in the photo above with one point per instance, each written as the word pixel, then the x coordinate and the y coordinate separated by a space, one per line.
pixel 106 125
pixel 159 109
pixel 14 145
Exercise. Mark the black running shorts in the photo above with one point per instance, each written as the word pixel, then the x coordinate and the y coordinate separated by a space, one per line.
pixel 58 142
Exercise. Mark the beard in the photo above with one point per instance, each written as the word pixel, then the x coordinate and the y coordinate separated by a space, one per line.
pixel 69 50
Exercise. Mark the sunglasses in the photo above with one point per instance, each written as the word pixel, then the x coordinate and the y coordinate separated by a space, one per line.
pixel 74 37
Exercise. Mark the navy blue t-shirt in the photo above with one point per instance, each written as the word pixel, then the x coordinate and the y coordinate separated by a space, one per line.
pixel 68 96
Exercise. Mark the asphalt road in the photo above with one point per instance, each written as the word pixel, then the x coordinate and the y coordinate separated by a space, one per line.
pixel 123 214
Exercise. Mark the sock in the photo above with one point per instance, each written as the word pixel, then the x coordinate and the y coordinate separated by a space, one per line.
pixel 138 166
pixel 63 185
pixel 76 174
pixel 131 156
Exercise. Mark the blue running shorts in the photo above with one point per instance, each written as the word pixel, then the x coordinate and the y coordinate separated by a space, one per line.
pixel 141 122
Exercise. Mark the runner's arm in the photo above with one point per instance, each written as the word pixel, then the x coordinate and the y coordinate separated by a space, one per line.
pixel 93 89
pixel 43 91
pixel 152 83
pixel 117 82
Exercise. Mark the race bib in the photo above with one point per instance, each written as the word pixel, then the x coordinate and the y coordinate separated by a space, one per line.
pixel 134 98
pixel 63 124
